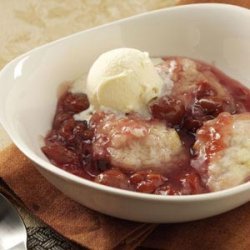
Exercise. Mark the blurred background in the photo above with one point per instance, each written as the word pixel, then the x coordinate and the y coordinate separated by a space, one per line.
pixel 25 24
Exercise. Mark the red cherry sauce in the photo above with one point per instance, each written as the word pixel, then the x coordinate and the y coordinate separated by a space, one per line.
pixel 68 144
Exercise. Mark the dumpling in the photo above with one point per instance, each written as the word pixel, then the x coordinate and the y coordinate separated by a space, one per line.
pixel 133 143
pixel 222 151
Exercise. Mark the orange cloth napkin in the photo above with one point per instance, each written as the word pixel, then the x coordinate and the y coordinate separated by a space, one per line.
pixel 229 231
pixel 74 221
pixel 97 231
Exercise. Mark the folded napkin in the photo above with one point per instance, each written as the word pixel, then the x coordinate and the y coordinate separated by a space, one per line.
pixel 74 221
pixel 97 231
pixel 229 231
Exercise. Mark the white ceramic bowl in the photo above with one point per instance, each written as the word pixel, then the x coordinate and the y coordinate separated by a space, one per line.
pixel 214 33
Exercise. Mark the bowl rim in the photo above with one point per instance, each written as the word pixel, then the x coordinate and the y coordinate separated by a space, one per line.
pixel 47 166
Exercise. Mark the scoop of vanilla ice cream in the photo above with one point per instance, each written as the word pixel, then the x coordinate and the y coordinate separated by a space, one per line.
pixel 123 79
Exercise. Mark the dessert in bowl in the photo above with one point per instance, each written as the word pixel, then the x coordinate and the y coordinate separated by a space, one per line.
pixel 188 32
pixel 176 128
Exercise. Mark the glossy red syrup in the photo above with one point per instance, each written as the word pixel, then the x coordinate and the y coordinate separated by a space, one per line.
pixel 69 143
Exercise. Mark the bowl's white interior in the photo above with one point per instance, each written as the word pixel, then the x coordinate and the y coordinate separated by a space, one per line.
pixel 217 34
